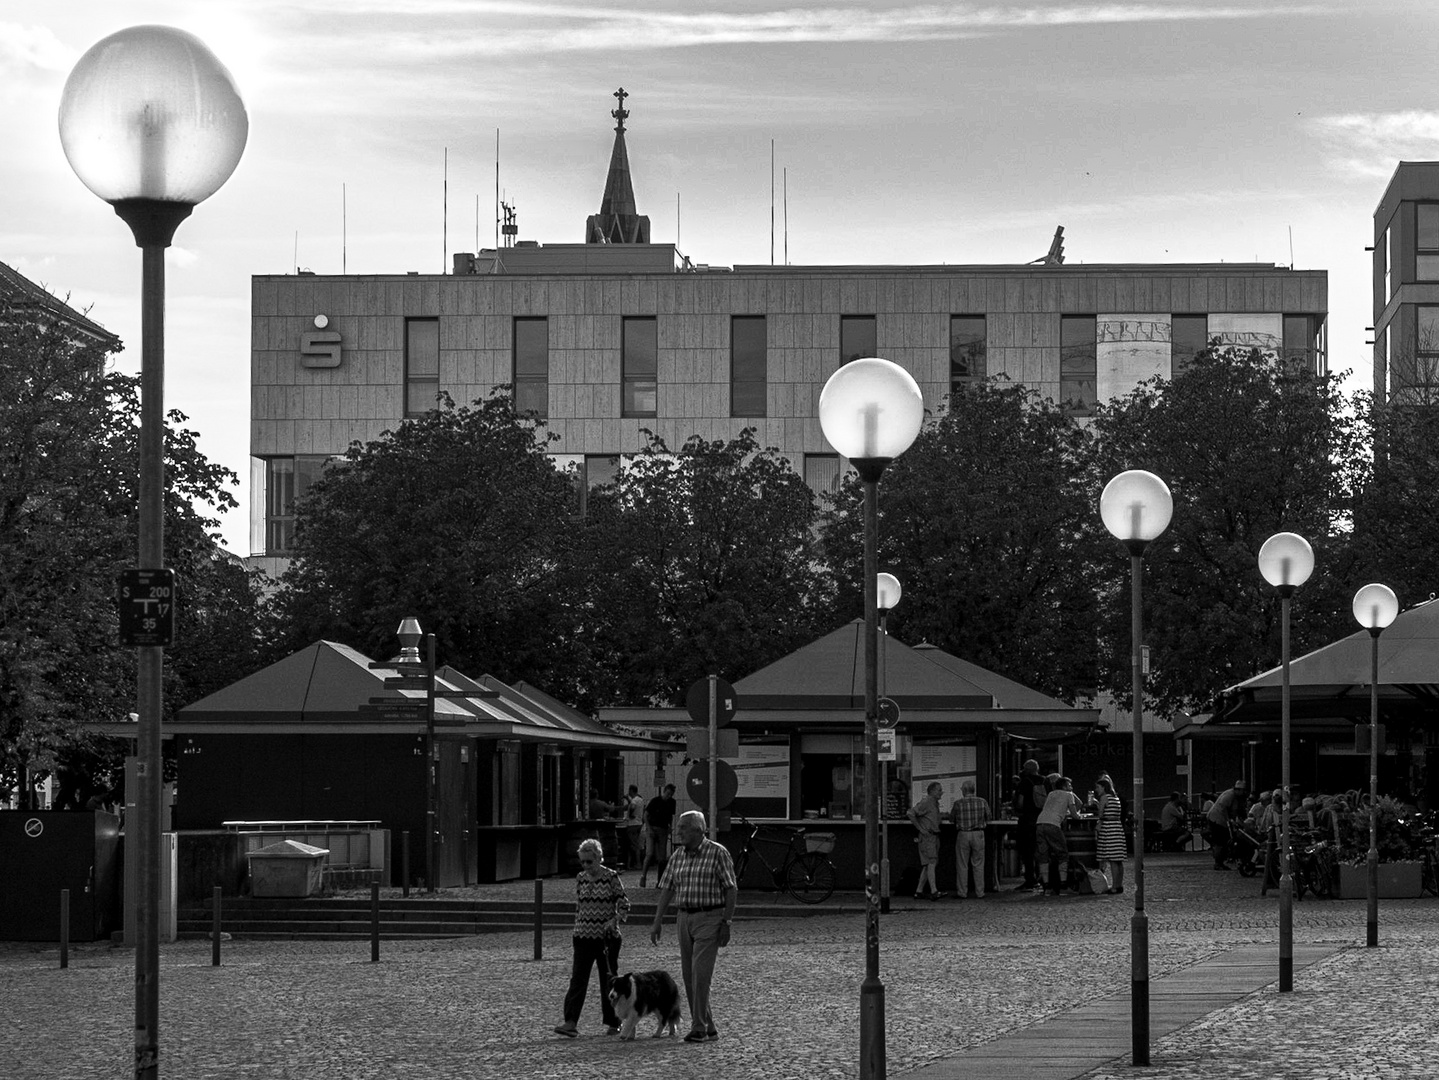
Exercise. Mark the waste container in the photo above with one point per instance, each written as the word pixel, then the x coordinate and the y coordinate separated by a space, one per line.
pixel 287 869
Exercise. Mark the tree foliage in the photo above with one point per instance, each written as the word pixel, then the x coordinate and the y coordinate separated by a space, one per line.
pixel 69 437
pixel 702 561
pixel 1248 447
pixel 985 521
pixel 457 517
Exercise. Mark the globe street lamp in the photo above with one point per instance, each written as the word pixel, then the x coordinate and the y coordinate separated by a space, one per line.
pixel 870 411
pixel 1286 560
pixel 887 594
pixel 1375 607
pixel 1136 507
pixel 152 123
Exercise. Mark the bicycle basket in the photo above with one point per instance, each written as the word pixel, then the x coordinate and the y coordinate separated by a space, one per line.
pixel 820 843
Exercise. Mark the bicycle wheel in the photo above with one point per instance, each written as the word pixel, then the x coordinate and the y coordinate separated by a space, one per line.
pixel 740 865
pixel 810 878
pixel 1429 880
pixel 1322 878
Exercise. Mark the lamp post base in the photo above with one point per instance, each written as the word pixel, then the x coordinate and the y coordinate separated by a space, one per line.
pixel 871 1030
pixel 1139 988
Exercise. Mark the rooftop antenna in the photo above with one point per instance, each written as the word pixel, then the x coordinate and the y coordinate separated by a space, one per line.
pixel 786 215
pixel 344 230
pixel 1291 247
pixel 297 251
pixel 771 202
pixel 477 222
pixel 445 227
pixel 511 229
pixel 497 189
pixel 677 219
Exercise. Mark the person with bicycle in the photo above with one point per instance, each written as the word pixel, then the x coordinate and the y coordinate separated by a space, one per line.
pixel 1218 827
pixel 700 878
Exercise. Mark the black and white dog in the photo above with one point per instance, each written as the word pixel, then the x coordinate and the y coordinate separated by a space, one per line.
pixel 646 993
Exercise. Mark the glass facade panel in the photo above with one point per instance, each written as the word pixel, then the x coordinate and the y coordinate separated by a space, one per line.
pixel 532 366
pixel 1301 342
pixel 640 358
pixel 749 366
pixel 967 361
pixel 856 337
pixel 1188 336
pixel 422 365
pixel 1078 363
pixel 1427 226
pixel 287 480
pixel 821 473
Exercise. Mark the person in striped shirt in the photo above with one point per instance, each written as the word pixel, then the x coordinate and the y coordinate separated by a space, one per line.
pixel 700 879
pixel 600 906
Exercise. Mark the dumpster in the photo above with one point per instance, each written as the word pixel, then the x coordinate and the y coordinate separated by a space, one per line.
pixel 287 869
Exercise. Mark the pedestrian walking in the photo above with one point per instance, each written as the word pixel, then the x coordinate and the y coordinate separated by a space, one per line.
pixel 659 816
pixel 925 816
pixel 1050 846
pixel 1030 792
pixel 700 880
pixel 970 814
pixel 634 809
pixel 600 906
pixel 1109 845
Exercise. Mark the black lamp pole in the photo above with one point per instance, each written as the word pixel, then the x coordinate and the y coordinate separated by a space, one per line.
pixel 1139 922
pixel 1372 925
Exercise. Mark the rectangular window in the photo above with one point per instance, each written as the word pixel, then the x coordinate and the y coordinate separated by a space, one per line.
pixel 422 365
pixel 1078 363
pixel 749 366
pixel 1301 343
pixel 287 480
pixel 639 364
pixel 1388 263
pixel 587 471
pixel 966 350
pixel 1426 246
pixel 1188 336
pixel 856 337
pixel 1426 347
pixel 821 473
pixel 532 366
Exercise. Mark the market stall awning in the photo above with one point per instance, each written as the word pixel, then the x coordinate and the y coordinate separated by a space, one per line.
pixel 1329 687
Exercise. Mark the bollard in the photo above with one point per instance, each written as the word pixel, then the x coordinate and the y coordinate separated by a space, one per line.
pixel 64 928
pixel 405 864
pixel 374 922
pixel 539 919
pixel 215 931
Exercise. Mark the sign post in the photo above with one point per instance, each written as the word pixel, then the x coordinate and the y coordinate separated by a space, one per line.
pixel 887 710
pixel 711 704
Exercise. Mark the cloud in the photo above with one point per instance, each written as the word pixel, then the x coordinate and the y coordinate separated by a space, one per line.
pixel 1369 144
pixel 33 47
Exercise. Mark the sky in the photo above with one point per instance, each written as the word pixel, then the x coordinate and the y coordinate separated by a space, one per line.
pixel 907 133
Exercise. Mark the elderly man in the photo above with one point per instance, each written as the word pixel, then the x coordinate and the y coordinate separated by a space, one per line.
pixel 970 814
pixel 1219 824
pixel 700 878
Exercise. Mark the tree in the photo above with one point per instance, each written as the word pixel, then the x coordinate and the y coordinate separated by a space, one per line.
pixel 69 447
pixel 984 521
pixel 698 562
pixel 457 517
pixel 1248 447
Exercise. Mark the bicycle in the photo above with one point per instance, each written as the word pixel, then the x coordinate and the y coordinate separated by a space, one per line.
pixel 803 872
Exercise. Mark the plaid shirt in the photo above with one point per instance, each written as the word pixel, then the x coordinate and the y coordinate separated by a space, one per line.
pixel 700 878
pixel 970 812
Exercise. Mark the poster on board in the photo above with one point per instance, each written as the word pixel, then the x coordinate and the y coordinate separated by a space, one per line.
pixel 947 765
pixel 762 772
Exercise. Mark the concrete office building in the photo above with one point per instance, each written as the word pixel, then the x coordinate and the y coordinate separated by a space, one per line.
pixel 1406 286
pixel 616 335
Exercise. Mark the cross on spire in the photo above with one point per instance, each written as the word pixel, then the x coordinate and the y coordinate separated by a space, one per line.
pixel 621 114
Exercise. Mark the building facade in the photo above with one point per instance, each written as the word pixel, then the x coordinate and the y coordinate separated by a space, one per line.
pixel 1406 286
pixel 616 336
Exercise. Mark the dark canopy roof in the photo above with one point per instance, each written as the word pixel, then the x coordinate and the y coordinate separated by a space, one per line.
pixel 1329 687
pixel 322 687
pixel 930 686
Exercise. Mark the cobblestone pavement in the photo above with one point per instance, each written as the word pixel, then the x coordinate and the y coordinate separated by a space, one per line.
pixel 956 972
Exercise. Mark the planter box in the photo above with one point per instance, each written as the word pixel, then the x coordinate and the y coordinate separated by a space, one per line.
pixel 287 869
pixel 1397 881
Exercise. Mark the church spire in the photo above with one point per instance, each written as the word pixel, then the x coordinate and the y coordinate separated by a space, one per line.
pixel 618 221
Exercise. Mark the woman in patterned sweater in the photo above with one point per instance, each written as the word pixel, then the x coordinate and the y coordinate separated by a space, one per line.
pixel 1110 846
pixel 600 906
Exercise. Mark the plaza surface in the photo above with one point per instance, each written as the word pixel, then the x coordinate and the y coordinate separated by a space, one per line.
pixel 971 986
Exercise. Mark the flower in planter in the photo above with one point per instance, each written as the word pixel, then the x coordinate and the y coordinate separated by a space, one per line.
pixel 1398 840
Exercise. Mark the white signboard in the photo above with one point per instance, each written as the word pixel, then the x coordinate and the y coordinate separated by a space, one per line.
pixel 947 765
pixel 762 772
pixel 886 745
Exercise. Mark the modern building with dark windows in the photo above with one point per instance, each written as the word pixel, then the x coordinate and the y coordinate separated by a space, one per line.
pixel 617 335
pixel 1406 286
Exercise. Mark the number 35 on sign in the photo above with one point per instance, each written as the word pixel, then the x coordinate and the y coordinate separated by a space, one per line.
pixel 147 607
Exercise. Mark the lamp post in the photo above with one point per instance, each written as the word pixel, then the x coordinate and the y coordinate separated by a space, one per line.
pixel 410 635
pixel 870 411
pixel 1286 560
pixel 887 594
pixel 1136 507
pixel 1375 607
pixel 152 123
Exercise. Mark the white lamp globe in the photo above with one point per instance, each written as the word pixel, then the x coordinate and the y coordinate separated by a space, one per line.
pixel 1136 506
pixel 1286 560
pixel 1375 606
pixel 888 591
pixel 150 113
pixel 871 409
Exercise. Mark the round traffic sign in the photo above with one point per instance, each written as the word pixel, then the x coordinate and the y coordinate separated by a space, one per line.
pixel 697 784
pixel 887 712
pixel 697 701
